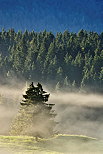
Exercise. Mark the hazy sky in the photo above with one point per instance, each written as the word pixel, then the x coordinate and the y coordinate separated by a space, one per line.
pixel 52 15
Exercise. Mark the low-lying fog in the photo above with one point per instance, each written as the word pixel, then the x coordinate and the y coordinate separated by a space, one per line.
pixel 77 113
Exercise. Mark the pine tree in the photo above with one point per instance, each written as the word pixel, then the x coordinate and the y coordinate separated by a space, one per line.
pixel 35 117
pixel 58 87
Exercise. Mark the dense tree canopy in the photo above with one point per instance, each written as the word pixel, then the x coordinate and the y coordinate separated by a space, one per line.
pixel 73 57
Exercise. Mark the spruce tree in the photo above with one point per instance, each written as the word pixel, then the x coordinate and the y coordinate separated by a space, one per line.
pixel 35 117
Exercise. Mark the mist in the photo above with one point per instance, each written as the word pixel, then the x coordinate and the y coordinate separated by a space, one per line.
pixel 77 113
pixel 10 96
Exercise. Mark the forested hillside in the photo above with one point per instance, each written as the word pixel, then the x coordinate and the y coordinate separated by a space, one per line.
pixel 66 59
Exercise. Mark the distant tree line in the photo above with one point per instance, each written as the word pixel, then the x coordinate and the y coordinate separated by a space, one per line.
pixel 67 60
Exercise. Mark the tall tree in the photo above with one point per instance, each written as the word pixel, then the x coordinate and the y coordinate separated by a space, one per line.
pixel 35 116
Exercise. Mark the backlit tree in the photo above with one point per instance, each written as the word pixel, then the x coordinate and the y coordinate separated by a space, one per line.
pixel 35 117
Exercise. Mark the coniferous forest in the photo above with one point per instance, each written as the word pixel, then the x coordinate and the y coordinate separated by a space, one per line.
pixel 65 60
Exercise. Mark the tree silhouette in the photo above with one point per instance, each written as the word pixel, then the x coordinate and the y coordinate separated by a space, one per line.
pixel 35 117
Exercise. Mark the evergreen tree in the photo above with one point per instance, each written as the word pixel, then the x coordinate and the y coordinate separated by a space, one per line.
pixel 59 75
pixel 58 87
pixel 50 58
pixel 35 116
pixel 101 80
pixel 67 84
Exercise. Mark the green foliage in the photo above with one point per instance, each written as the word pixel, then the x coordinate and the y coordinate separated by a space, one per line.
pixel 48 58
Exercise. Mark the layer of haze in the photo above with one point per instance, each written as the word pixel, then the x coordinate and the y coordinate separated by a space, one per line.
pixel 77 113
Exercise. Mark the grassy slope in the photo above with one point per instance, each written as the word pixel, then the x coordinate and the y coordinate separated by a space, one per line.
pixel 58 144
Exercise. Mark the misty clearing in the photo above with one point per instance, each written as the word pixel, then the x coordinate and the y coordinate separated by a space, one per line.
pixel 76 113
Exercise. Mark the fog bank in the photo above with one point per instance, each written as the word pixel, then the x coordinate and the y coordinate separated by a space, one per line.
pixel 77 113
